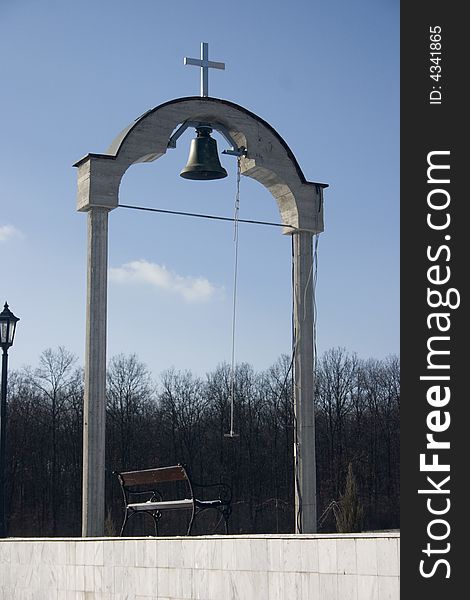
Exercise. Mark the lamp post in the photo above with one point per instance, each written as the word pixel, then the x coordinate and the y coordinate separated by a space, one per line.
pixel 8 323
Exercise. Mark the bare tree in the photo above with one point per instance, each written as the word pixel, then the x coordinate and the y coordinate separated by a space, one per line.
pixel 184 404
pixel 54 379
pixel 130 394
pixel 337 378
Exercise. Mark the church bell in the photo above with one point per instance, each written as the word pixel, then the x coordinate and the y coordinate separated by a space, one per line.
pixel 203 161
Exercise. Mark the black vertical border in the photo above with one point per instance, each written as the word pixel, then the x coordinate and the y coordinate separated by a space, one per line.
pixel 426 128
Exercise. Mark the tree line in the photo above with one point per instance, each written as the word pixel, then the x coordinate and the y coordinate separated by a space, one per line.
pixel 183 418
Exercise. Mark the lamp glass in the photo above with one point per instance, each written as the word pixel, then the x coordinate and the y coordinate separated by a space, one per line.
pixel 8 323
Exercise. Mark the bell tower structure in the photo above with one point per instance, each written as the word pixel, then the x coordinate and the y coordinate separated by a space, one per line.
pixel 265 157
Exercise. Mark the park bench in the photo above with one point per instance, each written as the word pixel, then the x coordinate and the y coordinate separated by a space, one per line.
pixel 155 491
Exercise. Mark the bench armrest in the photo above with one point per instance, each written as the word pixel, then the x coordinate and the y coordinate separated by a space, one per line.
pixel 156 496
pixel 224 490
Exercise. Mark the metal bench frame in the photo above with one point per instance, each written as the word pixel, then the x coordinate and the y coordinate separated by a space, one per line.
pixel 148 483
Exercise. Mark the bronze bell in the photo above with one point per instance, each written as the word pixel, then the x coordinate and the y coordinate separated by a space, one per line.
pixel 203 161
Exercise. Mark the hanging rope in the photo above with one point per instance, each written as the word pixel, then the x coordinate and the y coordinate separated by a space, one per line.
pixel 236 211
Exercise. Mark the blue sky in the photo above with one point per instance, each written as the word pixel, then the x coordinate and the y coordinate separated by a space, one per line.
pixel 324 74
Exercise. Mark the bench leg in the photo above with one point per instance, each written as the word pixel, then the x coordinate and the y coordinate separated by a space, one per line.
pixel 128 515
pixel 124 523
pixel 226 511
pixel 224 514
pixel 156 517
pixel 191 522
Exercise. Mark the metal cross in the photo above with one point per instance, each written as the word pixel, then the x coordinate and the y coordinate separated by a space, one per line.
pixel 205 65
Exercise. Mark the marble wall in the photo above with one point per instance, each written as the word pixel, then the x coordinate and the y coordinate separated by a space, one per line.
pixel 274 567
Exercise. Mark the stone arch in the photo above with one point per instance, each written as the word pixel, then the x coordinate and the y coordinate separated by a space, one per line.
pixel 268 160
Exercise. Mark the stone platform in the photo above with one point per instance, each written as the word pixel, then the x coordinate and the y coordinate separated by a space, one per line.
pixel 254 567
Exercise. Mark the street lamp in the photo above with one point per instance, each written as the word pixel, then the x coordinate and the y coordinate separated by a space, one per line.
pixel 8 323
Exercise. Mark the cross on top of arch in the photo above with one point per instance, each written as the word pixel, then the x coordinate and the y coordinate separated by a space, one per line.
pixel 205 64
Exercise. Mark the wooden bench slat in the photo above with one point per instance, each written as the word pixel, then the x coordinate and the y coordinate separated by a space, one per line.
pixel 150 476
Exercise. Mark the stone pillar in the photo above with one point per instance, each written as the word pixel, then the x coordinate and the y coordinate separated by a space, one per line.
pixel 94 410
pixel 304 430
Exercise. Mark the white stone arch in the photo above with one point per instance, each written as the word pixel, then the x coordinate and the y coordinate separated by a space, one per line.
pixel 268 160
